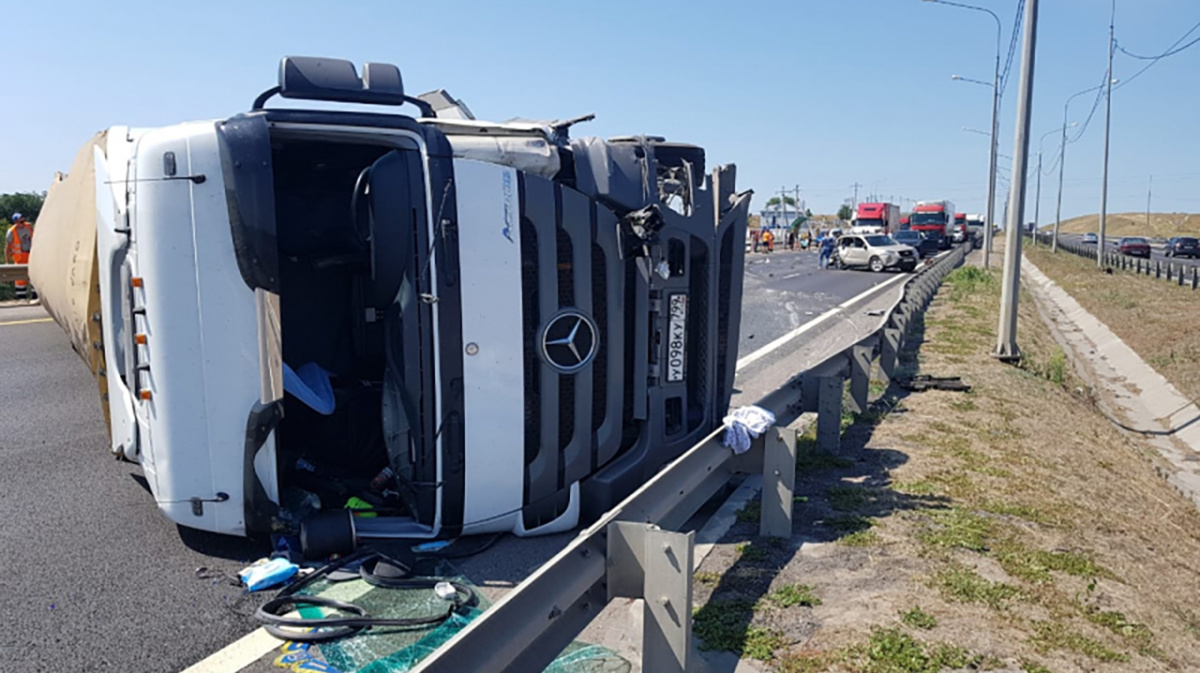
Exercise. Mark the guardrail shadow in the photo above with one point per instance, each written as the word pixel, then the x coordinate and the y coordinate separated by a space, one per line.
pixel 838 499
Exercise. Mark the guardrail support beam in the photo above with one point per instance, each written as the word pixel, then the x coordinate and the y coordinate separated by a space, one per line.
pixel 829 414
pixel 779 483
pixel 655 565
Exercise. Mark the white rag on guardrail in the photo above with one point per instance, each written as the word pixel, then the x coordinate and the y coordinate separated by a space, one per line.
pixel 744 424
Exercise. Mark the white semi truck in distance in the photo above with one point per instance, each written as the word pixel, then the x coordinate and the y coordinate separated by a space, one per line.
pixel 473 327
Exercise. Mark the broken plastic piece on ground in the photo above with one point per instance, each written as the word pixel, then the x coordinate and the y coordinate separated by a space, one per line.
pixel 310 384
pixel 744 424
pixel 267 573
pixel 923 382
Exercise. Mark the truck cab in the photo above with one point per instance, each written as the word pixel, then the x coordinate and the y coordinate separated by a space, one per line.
pixel 471 327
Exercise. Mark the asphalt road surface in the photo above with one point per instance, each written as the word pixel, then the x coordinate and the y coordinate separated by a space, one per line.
pixel 1156 252
pixel 94 578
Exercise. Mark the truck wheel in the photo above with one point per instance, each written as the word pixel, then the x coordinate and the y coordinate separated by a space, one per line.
pixel 876 264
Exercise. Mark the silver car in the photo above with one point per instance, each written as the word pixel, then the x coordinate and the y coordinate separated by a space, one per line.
pixel 875 252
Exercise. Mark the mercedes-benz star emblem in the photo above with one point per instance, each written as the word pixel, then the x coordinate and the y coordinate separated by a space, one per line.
pixel 569 341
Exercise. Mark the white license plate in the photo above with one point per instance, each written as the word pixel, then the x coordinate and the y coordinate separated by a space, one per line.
pixel 677 337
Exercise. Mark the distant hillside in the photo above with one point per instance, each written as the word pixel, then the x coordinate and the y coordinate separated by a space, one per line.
pixel 1162 225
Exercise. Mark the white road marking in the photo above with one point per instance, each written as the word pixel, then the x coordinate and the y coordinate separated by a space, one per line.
pixel 258 643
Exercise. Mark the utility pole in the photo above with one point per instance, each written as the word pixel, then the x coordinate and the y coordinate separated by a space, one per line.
pixel 855 186
pixel 1006 341
pixel 1100 249
pixel 1149 190
pixel 1037 200
pixel 783 197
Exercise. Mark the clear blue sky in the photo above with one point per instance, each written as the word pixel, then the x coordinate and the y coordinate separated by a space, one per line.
pixel 817 93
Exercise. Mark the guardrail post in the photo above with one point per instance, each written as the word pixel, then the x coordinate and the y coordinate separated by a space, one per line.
pixel 860 377
pixel 1195 273
pixel 829 414
pixel 1157 269
pixel 1179 276
pixel 889 351
pixel 779 483
pixel 647 562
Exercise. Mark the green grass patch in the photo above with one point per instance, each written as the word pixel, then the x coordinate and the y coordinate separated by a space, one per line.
pixel 893 651
pixel 862 538
pixel 957 529
pixel 918 619
pixel 848 498
pixel 750 552
pixel 967 586
pixel 967 281
pixel 751 512
pixel 1055 636
pixel 791 595
pixel 1119 624
pixel 813 461
pixel 849 524
pixel 963 404
pixel 707 577
pixel 725 625
pixel 1033 667
pixel 1020 511
pixel 807 662
pixel 1036 565
pixel 919 487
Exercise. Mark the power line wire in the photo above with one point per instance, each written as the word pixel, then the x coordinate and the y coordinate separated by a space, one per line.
pixel 1155 59
pixel 1012 46
pixel 1170 52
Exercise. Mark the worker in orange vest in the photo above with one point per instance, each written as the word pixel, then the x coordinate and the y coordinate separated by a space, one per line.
pixel 768 239
pixel 17 243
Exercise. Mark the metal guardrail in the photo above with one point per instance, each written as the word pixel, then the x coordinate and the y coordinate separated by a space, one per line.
pixel 632 552
pixel 1172 272
pixel 11 272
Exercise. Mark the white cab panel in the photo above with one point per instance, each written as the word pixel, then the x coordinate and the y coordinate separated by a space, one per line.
pixel 494 400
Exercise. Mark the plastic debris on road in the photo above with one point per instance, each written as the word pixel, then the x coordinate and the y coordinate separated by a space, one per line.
pixel 744 424
pixel 266 573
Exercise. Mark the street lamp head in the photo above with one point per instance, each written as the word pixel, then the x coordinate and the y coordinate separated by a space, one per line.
pixel 956 77
pixel 1072 125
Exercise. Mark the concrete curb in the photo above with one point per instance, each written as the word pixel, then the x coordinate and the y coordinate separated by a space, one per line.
pixel 1158 412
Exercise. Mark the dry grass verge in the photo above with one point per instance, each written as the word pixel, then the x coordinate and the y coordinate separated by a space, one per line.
pixel 1010 528
pixel 1162 225
pixel 1156 319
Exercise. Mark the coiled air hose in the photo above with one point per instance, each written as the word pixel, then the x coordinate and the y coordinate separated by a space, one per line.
pixel 376 569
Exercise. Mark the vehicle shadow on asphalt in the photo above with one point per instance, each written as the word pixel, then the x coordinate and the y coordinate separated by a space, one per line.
pixel 837 499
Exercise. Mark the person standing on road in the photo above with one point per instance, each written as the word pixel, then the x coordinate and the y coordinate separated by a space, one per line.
pixel 827 244
pixel 17 243
pixel 768 238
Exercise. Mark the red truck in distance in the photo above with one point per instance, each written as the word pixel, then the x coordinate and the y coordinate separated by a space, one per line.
pixel 935 219
pixel 881 218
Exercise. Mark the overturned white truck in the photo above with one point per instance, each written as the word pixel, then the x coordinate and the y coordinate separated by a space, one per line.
pixel 471 327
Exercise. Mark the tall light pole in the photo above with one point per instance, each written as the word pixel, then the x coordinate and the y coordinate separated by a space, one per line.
pixel 1062 160
pixel 1006 340
pixel 991 205
pixel 1037 204
pixel 1107 125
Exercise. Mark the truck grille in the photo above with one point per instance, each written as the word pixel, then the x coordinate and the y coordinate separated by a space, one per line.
pixel 569 262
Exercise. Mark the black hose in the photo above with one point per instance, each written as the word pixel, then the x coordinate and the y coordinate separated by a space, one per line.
pixel 374 568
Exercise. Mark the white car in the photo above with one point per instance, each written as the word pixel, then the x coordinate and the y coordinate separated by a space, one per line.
pixel 1091 238
pixel 876 253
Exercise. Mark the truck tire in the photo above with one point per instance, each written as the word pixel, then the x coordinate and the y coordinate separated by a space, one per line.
pixel 876 264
